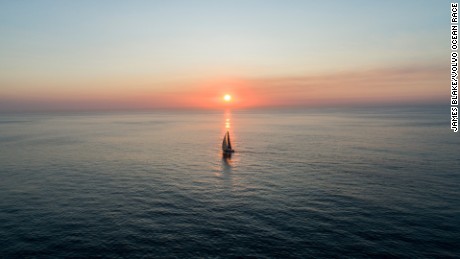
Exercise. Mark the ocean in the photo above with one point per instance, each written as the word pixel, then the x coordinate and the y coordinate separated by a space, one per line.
pixel 311 183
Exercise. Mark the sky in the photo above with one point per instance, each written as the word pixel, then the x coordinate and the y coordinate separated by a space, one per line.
pixel 84 55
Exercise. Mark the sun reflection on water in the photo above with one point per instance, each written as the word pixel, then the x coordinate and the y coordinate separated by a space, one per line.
pixel 227 117
pixel 227 162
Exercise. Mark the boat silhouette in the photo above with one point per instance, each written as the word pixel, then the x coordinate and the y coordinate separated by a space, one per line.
pixel 227 145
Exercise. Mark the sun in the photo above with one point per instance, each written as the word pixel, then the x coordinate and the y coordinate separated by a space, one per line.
pixel 227 98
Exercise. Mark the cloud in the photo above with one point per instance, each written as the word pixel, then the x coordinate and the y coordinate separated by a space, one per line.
pixel 385 85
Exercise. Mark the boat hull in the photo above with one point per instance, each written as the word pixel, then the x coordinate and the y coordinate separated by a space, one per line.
pixel 228 153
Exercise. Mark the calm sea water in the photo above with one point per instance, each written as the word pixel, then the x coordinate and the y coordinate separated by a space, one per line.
pixel 315 183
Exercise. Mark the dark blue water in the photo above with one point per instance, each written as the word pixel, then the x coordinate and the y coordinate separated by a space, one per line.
pixel 317 183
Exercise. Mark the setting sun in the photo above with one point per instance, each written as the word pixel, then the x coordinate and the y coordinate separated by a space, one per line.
pixel 227 98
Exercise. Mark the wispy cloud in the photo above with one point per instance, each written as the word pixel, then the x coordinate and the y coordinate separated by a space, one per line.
pixel 384 85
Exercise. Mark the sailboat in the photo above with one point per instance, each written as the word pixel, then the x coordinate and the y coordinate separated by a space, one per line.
pixel 226 145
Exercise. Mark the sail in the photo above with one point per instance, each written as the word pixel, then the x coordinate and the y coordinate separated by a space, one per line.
pixel 225 143
pixel 228 140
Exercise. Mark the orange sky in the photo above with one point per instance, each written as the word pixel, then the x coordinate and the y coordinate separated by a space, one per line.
pixel 374 86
